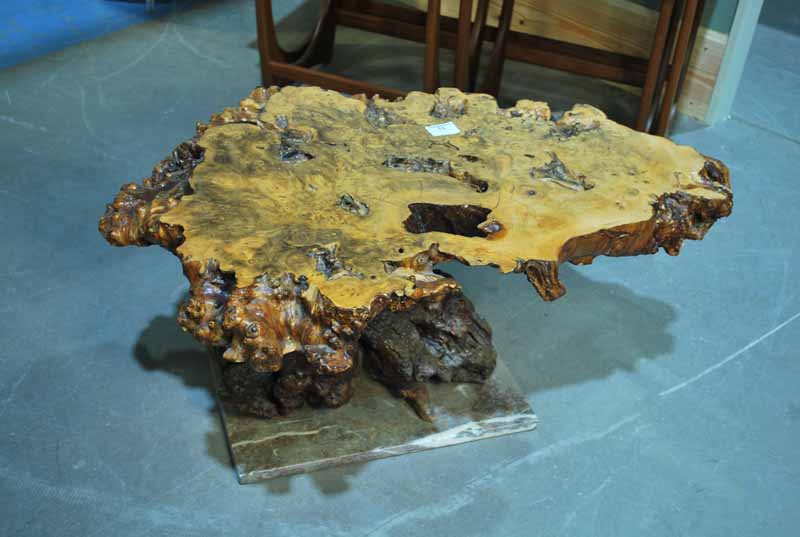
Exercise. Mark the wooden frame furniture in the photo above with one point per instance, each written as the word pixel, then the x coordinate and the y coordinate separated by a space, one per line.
pixel 660 76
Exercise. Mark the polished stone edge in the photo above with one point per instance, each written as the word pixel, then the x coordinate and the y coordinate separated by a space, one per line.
pixel 468 432
pixel 491 427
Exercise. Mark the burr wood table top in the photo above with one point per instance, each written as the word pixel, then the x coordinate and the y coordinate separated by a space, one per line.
pixel 346 204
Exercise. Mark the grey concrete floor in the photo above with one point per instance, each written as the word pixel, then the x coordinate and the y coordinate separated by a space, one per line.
pixel 667 388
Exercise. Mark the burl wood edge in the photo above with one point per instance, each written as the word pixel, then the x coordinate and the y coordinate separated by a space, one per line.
pixel 303 214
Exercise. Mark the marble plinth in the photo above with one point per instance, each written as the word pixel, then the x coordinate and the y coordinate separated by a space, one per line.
pixel 373 425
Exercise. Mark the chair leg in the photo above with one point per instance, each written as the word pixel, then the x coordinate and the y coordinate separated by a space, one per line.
pixel 268 49
pixel 494 71
pixel 654 65
pixel 663 71
pixel 431 73
pixel 478 30
pixel 319 47
pixel 673 81
pixel 462 45
pixel 701 4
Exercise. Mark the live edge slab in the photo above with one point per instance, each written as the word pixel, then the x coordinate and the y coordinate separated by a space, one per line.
pixel 310 224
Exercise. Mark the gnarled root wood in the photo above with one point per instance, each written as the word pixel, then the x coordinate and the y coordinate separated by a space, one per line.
pixel 440 339
pixel 436 339
pixel 310 223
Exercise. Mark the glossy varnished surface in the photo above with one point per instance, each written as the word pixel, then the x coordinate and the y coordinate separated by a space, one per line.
pixel 267 199
pixel 303 213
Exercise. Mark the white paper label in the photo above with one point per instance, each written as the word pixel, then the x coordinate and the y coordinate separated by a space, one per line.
pixel 443 129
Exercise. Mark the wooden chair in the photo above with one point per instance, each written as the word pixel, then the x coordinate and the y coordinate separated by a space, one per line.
pixel 660 76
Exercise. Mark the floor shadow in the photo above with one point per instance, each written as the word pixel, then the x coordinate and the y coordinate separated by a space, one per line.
pixel 334 480
pixel 162 346
pixel 598 328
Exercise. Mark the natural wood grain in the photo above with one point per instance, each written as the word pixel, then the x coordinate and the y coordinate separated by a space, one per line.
pixel 302 214
pixel 430 74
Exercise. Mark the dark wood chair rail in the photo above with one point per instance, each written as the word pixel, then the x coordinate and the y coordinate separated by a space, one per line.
pixel 660 76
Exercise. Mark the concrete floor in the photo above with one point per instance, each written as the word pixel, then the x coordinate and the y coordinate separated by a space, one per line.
pixel 31 28
pixel 666 387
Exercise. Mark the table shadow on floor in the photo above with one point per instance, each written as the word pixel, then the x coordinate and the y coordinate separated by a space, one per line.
pixel 163 347
pixel 597 329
